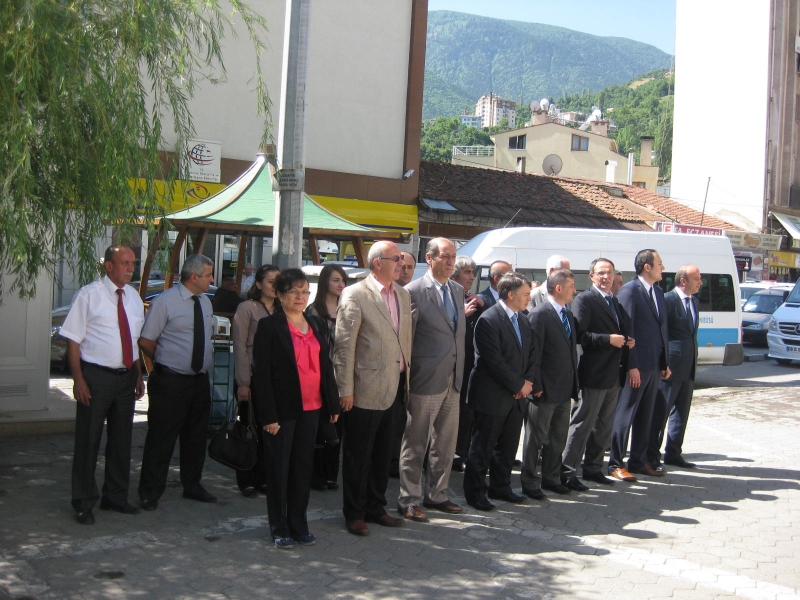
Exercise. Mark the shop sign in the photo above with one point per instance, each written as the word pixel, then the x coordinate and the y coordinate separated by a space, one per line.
pixel 744 261
pixel 289 180
pixel 782 259
pixel 203 160
pixel 756 241
pixel 668 227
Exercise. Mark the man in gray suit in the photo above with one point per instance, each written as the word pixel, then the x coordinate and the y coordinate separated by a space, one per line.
pixel 539 295
pixel 496 270
pixel 371 361
pixel 437 306
pixel 674 398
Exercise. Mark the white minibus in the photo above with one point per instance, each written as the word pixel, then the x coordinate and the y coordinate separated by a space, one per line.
pixel 527 248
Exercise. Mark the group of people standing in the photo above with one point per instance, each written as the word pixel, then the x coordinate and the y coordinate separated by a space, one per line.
pixel 425 376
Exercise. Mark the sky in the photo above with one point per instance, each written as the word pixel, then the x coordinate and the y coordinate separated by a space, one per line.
pixel 648 21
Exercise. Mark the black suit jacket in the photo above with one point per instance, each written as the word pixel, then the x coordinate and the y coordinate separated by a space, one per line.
pixel 682 333
pixel 647 327
pixel 276 382
pixel 602 365
pixel 555 356
pixel 501 365
pixel 488 299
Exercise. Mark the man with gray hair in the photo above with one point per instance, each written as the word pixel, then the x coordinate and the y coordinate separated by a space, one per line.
pixel 555 381
pixel 539 295
pixel 177 337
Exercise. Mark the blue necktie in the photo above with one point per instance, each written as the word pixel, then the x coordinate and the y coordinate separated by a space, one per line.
pixel 689 314
pixel 515 323
pixel 652 299
pixel 448 306
pixel 565 322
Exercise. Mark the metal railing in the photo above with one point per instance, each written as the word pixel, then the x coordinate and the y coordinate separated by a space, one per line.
pixel 473 150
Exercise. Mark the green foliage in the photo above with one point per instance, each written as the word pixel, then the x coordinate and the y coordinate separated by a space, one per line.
pixel 440 135
pixel 637 109
pixel 87 88
pixel 476 55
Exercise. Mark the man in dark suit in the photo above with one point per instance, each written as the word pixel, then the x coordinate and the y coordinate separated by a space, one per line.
pixel 648 360
pixel 496 270
pixel 555 381
pixel 498 385
pixel 674 399
pixel 602 333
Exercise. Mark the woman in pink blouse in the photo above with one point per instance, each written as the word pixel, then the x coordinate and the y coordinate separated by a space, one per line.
pixel 292 380
pixel 262 301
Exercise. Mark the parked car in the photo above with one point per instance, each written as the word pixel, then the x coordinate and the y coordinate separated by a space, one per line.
pixel 58 344
pixel 757 312
pixel 784 329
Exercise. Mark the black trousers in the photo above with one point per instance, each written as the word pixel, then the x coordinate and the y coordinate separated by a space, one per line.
pixel 632 420
pixel 113 400
pixel 288 458
pixel 494 445
pixel 179 408
pixel 367 452
pixel 465 419
pixel 326 460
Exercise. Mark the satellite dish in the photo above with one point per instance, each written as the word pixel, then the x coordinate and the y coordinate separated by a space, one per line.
pixel 535 106
pixel 551 165
pixel 544 103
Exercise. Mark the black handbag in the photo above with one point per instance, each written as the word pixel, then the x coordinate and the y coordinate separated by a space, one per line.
pixel 236 444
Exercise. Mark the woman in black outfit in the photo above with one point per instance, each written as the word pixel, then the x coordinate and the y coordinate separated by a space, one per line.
pixel 292 381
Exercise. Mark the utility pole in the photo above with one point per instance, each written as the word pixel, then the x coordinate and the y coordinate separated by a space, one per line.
pixel 703 216
pixel 287 233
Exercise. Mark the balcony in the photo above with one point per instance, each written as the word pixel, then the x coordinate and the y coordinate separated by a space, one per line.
pixel 473 150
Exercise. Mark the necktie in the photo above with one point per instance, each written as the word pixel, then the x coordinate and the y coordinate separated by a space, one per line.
pixel 448 306
pixel 565 322
pixel 689 314
pixel 199 344
pixel 652 298
pixel 515 323
pixel 124 332
pixel 610 301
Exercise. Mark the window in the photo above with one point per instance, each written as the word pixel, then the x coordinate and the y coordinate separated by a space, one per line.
pixel 517 142
pixel 580 143
pixel 716 295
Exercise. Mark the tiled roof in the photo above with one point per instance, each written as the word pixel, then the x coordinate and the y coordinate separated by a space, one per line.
pixel 551 201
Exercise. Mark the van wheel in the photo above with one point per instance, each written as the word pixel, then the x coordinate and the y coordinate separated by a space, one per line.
pixel 784 361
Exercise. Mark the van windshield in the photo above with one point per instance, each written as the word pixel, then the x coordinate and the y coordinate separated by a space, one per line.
pixel 794 296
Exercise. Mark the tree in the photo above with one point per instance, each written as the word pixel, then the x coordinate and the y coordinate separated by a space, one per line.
pixel 86 90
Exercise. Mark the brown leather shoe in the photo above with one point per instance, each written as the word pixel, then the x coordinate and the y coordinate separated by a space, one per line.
pixel 386 520
pixel 446 506
pixel 623 475
pixel 413 513
pixel 358 527
pixel 648 470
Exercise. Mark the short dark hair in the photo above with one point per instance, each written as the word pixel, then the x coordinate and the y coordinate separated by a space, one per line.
pixel 493 269
pixel 254 293
pixel 510 282
pixel 112 250
pixel 644 257
pixel 320 304
pixel 288 279
pixel 599 260
pixel 558 277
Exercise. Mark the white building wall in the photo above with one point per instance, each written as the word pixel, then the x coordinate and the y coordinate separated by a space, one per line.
pixel 357 86
pixel 721 69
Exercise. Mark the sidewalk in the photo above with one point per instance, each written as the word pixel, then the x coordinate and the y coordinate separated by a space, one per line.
pixel 730 528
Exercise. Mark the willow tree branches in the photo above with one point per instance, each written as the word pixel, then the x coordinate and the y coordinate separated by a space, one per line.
pixel 87 88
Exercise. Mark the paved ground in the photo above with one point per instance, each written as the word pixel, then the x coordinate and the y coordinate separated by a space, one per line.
pixel 730 528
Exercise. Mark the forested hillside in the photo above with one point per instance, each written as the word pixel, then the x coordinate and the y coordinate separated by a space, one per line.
pixel 469 55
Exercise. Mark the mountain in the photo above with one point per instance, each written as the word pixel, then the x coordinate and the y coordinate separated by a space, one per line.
pixel 469 55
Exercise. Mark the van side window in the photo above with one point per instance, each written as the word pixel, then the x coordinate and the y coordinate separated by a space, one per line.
pixel 716 295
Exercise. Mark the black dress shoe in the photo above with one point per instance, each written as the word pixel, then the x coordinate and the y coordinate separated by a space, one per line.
pixel 481 504
pixel 125 509
pixel 598 478
pixel 85 517
pixel 149 505
pixel 200 494
pixel 679 461
pixel 556 487
pixel 536 494
pixel 574 484
pixel 458 465
pixel 508 497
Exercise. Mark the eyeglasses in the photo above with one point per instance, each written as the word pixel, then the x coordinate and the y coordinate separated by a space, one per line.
pixel 298 293
pixel 396 259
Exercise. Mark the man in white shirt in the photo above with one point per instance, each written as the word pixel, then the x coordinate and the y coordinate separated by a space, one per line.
pixel 102 329
pixel 539 295
pixel 247 281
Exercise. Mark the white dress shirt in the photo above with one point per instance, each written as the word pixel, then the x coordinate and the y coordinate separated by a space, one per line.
pixel 93 322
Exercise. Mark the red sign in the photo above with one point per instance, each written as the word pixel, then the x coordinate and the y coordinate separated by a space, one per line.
pixel 681 228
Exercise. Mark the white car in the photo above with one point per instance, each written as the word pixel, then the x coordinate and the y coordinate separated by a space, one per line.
pixel 783 336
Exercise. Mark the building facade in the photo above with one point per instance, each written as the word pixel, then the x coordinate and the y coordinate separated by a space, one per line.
pixel 493 109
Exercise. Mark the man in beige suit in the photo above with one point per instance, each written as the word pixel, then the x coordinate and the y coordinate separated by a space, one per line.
pixel 371 359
